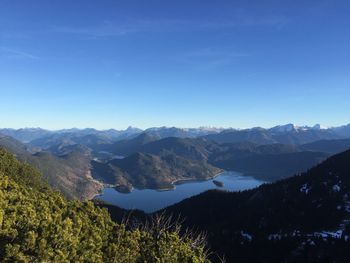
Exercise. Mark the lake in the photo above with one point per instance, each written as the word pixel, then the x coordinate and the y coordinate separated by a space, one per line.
pixel 152 200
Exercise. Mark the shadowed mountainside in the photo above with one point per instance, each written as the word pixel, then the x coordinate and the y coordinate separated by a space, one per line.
pixel 302 218
pixel 143 170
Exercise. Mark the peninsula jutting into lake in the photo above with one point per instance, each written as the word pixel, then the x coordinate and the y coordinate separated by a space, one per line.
pixel 150 200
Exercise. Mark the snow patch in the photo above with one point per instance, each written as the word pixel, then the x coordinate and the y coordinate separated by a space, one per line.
pixel 246 236
pixel 305 189
pixel 327 234
pixel 336 188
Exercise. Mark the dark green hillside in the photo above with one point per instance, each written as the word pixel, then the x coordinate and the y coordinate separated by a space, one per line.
pixel 143 170
pixel 158 163
pixel 40 225
pixel 128 146
pixel 268 167
pixel 328 146
pixel 22 173
pixel 269 162
pixel 194 149
pixel 301 219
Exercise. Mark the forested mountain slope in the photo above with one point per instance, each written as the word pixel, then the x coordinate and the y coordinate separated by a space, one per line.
pixel 40 225
pixel 328 146
pixel 143 170
pixel 69 173
pixel 305 218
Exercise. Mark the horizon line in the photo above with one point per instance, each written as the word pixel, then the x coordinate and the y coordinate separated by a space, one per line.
pixel 325 127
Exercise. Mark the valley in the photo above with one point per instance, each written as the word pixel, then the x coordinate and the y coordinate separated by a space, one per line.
pixel 80 163
pixel 174 131
pixel 277 197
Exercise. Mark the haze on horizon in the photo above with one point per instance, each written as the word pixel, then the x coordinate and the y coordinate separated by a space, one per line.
pixel 213 128
pixel 193 63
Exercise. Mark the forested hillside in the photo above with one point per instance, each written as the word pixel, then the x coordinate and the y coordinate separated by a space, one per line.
pixel 68 172
pixel 38 224
pixel 305 218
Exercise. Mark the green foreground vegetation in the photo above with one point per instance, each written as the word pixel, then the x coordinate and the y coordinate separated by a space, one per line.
pixel 38 224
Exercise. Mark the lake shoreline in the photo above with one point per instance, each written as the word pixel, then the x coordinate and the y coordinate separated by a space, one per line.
pixel 174 183
pixel 150 200
pixel 188 180
pixel 178 182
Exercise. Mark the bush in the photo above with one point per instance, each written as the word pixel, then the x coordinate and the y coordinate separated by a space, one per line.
pixel 38 224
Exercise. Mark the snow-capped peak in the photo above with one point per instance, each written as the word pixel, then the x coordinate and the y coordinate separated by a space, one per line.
pixel 284 128
pixel 318 127
pixel 292 127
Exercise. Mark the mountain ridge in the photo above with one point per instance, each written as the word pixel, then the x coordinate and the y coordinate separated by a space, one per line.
pixel 94 154
pixel 279 222
pixel 29 134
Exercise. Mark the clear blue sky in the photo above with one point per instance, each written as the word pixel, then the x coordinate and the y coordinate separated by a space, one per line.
pixel 185 63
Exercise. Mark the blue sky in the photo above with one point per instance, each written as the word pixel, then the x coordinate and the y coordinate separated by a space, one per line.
pixel 111 64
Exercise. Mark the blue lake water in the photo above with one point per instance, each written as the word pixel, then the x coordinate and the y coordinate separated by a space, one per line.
pixel 152 200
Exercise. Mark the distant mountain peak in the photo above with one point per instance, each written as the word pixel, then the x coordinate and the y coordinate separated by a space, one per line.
pixel 285 128
pixel 131 128
pixel 319 127
pixel 290 127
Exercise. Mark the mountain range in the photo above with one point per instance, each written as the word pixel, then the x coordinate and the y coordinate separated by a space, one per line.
pixel 78 162
pixel 301 213
pixel 288 133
